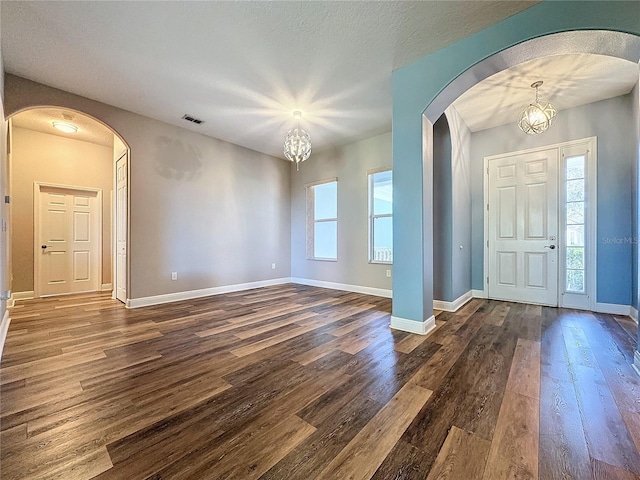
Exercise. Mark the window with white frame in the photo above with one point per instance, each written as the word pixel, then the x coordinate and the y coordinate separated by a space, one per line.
pixel 322 220
pixel 577 260
pixel 575 179
pixel 380 217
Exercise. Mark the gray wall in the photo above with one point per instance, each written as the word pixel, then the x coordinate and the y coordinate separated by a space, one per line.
pixel 612 122
pixel 451 207
pixel 216 213
pixel 461 203
pixel 349 164
pixel 442 210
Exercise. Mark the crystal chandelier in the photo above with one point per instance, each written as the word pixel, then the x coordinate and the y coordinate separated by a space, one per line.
pixel 538 116
pixel 297 143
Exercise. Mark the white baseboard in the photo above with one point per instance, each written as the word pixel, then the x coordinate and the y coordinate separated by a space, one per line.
pixel 107 287
pixel 455 305
pixel 19 296
pixel 412 326
pixel 634 314
pixel 478 294
pixel 636 362
pixel 205 292
pixel 4 329
pixel 378 292
pixel 613 309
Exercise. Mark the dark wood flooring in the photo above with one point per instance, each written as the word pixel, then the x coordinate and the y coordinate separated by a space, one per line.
pixel 295 382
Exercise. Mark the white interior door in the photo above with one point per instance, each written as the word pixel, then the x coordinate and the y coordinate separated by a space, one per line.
pixel 68 250
pixel 523 227
pixel 121 229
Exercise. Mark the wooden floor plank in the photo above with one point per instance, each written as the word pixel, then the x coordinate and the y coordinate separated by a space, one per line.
pixel 364 454
pixel 607 436
pixel 514 448
pixel 405 462
pixel 463 455
pixel 563 446
pixel 321 447
pixel 252 459
pixel 524 377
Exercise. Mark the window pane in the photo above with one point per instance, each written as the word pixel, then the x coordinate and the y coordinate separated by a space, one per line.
pixel 382 193
pixel 575 167
pixel 325 241
pixel 326 200
pixel 575 235
pixel 575 257
pixel 382 239
pixel 575 190
pixel 575 213
pixel 575 280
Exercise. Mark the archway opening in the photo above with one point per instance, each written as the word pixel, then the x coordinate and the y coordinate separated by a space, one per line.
pixel 68 226
pixel 610 44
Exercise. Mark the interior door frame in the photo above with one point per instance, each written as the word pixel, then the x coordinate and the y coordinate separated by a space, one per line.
pixel 37 186
pixel 591 235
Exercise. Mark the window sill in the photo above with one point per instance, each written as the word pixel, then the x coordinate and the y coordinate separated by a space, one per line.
pixel 323 259
pixel 374 262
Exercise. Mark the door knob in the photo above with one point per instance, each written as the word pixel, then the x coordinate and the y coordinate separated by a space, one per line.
pixel 552 247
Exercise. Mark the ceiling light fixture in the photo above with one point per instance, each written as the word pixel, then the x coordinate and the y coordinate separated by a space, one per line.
pixel 65 127
pixel 297 143
pixel 538 116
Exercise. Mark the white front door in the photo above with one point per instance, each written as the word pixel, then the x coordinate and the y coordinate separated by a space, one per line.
pixel 68 250
pixel 523 227
pixel 121 229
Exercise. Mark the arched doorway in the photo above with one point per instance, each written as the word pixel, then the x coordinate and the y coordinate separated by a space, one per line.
pixel 413 228
pixel 68 225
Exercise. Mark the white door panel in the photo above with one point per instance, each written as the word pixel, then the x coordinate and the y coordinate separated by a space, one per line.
pixel 523 224
pixel 68 245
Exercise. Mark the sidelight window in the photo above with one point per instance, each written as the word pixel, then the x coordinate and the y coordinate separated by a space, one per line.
pixel 575 174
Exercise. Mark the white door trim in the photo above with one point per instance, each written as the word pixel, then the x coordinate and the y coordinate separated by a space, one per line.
pixel 114 223
pixel 36 229
pixel 591 226
pixel 591 235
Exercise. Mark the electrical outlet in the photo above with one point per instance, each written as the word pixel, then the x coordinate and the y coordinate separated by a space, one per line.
pixel 273 266
pixel 174 275
pixel 388 273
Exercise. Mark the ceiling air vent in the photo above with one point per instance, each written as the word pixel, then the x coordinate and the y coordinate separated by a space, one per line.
pixel 191 119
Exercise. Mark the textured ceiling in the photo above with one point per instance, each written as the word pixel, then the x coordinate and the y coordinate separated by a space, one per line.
pixel 41 119
pixel 242 67
pixel 569 81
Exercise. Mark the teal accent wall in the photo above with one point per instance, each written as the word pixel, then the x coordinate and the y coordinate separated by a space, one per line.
pixel 414 88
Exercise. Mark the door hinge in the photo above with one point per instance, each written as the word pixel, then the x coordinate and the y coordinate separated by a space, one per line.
pixel 487 243
pixel 487 207
pixel 487 170
pixel 487 279
pixel 7 199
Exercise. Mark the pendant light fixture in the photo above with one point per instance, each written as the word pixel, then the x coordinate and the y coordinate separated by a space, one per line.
pixel 538 116
pixel 297 143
